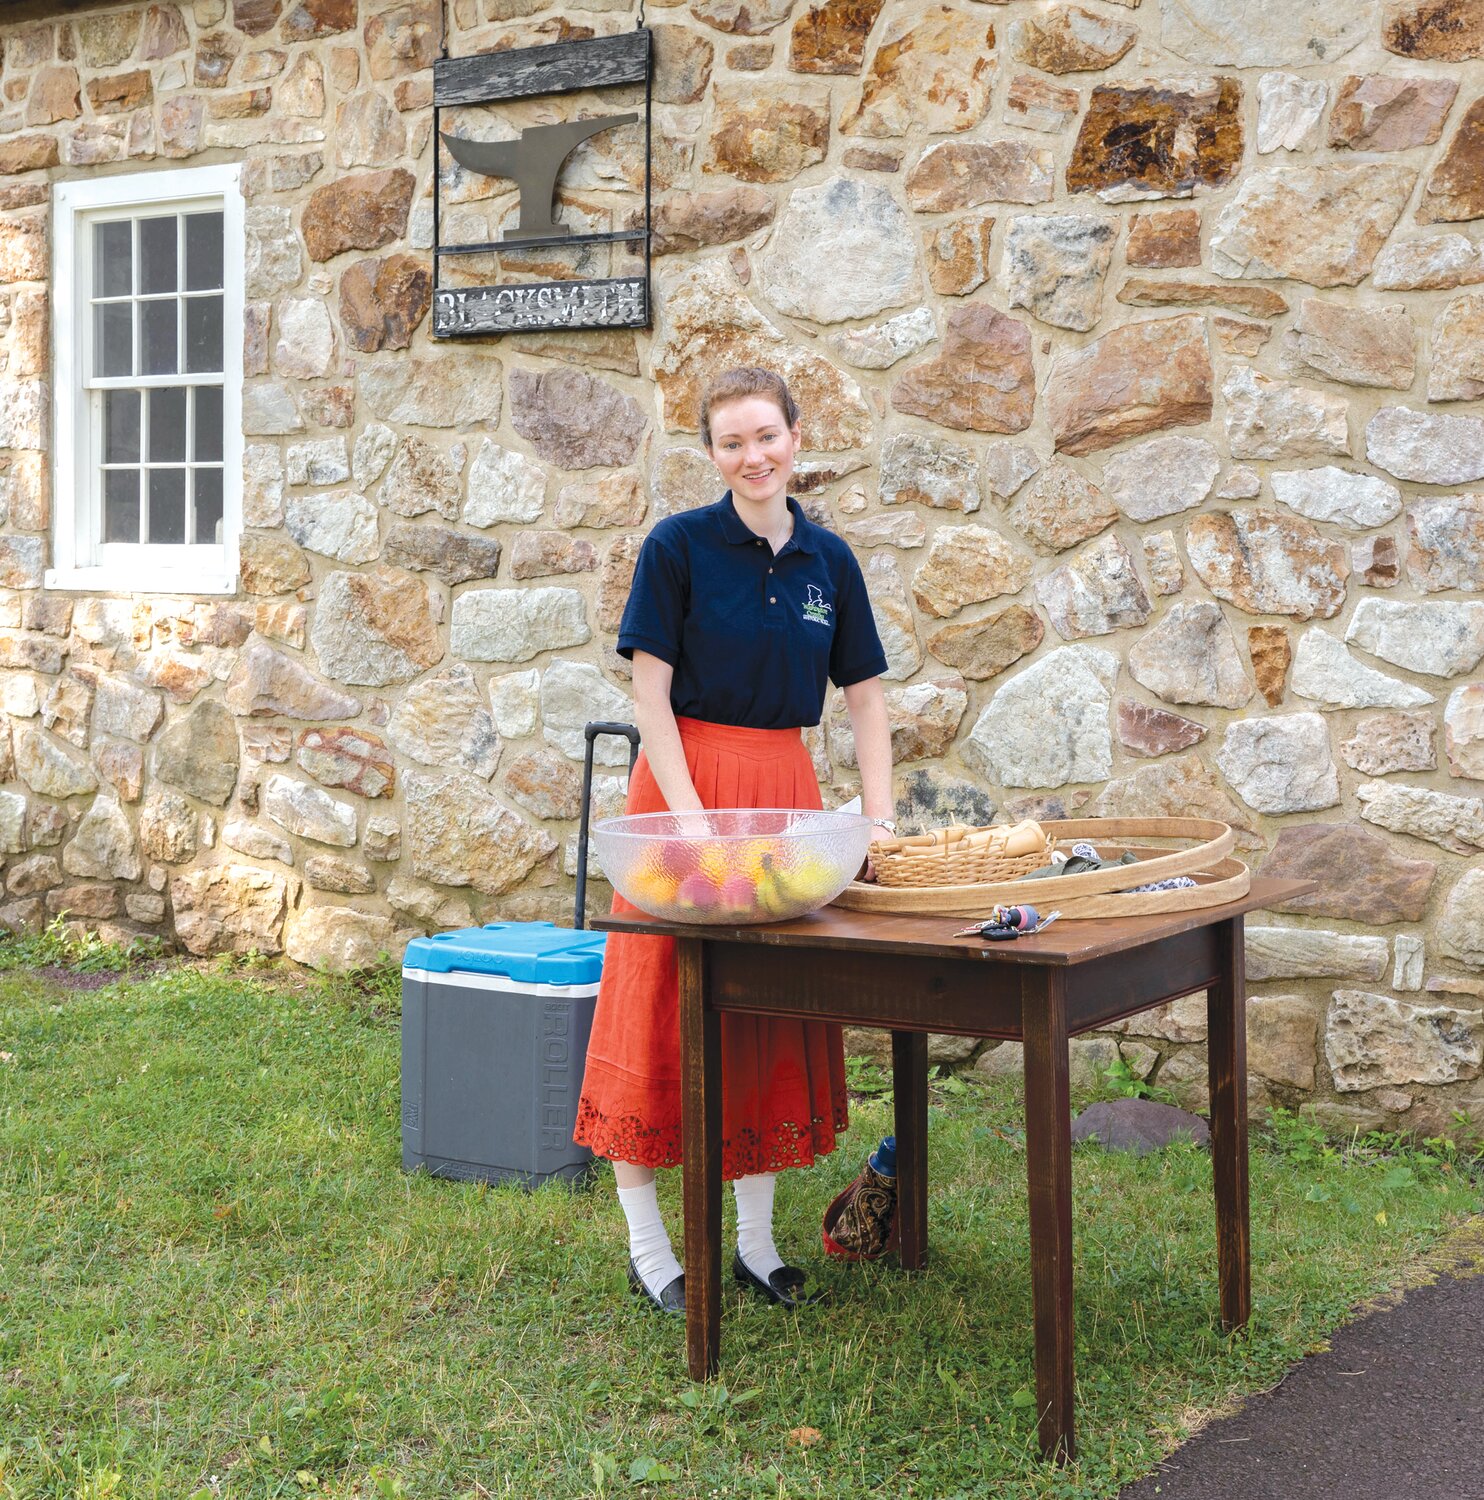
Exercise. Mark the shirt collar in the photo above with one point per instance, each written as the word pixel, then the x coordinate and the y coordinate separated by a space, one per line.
pixel 735 529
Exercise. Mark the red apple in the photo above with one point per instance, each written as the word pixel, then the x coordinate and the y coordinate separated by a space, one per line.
pixel 697 892
pixel 739 895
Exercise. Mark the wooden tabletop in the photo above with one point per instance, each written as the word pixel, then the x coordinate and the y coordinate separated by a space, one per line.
pixel 1065 942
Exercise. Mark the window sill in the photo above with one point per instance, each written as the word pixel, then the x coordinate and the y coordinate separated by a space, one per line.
pixel 138 581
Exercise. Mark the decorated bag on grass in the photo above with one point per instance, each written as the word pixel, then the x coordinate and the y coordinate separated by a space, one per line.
pixel 861 1223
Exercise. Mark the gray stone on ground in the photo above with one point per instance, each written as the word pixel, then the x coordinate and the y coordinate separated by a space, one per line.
pixel 1138 1125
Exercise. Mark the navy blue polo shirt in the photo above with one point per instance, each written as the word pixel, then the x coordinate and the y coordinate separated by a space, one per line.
pixel 752 636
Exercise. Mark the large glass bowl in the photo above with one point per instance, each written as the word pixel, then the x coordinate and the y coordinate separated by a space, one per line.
pixel 732 865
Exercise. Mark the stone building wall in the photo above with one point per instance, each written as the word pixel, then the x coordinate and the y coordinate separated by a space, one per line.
pixel 1140 347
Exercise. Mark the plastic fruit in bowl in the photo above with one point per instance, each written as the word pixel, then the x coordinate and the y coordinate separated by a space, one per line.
pixel 697 893
pixel 732 865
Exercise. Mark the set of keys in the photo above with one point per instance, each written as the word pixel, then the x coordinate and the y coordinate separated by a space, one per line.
pixel 1007 922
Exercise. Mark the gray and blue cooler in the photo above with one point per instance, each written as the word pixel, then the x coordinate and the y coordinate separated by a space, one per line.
pixel 495 1022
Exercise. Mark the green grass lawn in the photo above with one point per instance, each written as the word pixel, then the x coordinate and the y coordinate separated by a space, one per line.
pixel 215 1279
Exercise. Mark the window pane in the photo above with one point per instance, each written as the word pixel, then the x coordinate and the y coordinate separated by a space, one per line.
pixel 113 338
pixel 204 335
pixel 208 484
pixel 166 505
pixel 121 505
pixel 157 254
pixel 121 427
pixel 157 337
pixel 167 426
pixel 113 274
pixel 203 252
pixel 208 424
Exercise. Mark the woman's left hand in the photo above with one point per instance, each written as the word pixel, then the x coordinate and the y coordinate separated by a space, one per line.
pixel 868 871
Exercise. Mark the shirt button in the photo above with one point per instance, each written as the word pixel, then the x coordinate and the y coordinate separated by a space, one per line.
pixel 772 601
pixel 770 570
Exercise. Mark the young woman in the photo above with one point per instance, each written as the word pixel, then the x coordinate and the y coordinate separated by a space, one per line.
pixel 739 613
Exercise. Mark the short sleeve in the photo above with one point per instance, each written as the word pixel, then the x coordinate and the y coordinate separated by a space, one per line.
pixel 855 652
pixel 654 617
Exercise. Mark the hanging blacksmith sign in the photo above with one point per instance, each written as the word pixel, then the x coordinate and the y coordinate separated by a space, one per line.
pixel 533 161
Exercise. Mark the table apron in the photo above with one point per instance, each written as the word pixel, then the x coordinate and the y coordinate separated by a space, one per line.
pixel 972 996
pixel 1122 984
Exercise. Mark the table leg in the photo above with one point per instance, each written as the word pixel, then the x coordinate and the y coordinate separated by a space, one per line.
pixel 1226 1011
pixel 1048 1140
pixel 909 1091
pixel 700 1075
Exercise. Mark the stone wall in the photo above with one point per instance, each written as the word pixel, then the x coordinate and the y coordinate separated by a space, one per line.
pixel 1140 352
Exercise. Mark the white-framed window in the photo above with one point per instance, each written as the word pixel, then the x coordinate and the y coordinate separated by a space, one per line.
pixel 147 291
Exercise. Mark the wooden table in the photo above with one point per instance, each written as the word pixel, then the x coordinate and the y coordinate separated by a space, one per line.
pixel 910 975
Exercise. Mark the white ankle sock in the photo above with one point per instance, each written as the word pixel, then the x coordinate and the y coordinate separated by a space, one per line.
pixel 755 1224
pixel 649 1245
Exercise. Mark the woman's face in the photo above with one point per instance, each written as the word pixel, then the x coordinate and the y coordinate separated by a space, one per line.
pixel 754 447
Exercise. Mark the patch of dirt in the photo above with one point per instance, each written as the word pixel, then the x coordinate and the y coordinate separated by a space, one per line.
pixel 93 979
pixel 73 979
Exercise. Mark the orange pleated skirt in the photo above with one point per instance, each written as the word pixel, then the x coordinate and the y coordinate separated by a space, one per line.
pixel 782 1082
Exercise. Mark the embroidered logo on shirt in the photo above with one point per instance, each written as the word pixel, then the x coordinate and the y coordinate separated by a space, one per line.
pixel 816 606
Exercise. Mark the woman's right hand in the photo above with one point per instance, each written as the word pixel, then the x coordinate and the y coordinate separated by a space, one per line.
pixel 693 823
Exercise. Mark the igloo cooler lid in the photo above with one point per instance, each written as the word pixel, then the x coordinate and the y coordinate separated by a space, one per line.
pixel 529 952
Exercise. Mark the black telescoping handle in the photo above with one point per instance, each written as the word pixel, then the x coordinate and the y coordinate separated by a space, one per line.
pixel 591 733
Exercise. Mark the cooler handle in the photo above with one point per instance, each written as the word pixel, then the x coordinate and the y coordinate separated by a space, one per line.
pixel 591 733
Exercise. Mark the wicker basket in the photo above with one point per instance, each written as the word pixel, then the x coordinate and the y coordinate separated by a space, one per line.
pixel 1097 893
pixel 959 856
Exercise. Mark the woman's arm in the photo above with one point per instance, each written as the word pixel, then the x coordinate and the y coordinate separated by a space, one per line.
pixel 866 702
pixel 658 732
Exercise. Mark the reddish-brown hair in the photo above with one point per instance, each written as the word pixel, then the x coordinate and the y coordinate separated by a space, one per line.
pixel 737 385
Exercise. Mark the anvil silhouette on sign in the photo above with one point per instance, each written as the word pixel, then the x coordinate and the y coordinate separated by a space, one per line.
pixel 532 160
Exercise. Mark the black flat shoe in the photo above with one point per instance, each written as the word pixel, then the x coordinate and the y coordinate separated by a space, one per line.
pixel 670 1300
pixel 785 1287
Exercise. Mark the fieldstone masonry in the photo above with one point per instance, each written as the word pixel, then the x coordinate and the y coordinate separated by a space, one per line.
pixel 1138 359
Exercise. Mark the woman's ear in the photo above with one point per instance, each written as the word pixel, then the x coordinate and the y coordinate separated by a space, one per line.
pixel 796 433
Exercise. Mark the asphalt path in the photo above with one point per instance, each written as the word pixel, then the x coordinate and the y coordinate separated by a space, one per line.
pixel 1392 1410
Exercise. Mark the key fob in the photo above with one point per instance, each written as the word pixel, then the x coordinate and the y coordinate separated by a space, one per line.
pixel 998 932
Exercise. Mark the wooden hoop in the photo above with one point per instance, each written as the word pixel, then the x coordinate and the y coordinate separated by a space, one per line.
pixel 1062 891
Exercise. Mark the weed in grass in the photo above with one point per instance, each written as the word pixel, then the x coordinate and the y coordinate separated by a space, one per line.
pixel 219 1283
pixel 63 944
pixel 1121 1082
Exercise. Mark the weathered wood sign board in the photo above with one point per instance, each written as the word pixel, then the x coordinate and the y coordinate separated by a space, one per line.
pixel 533 161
